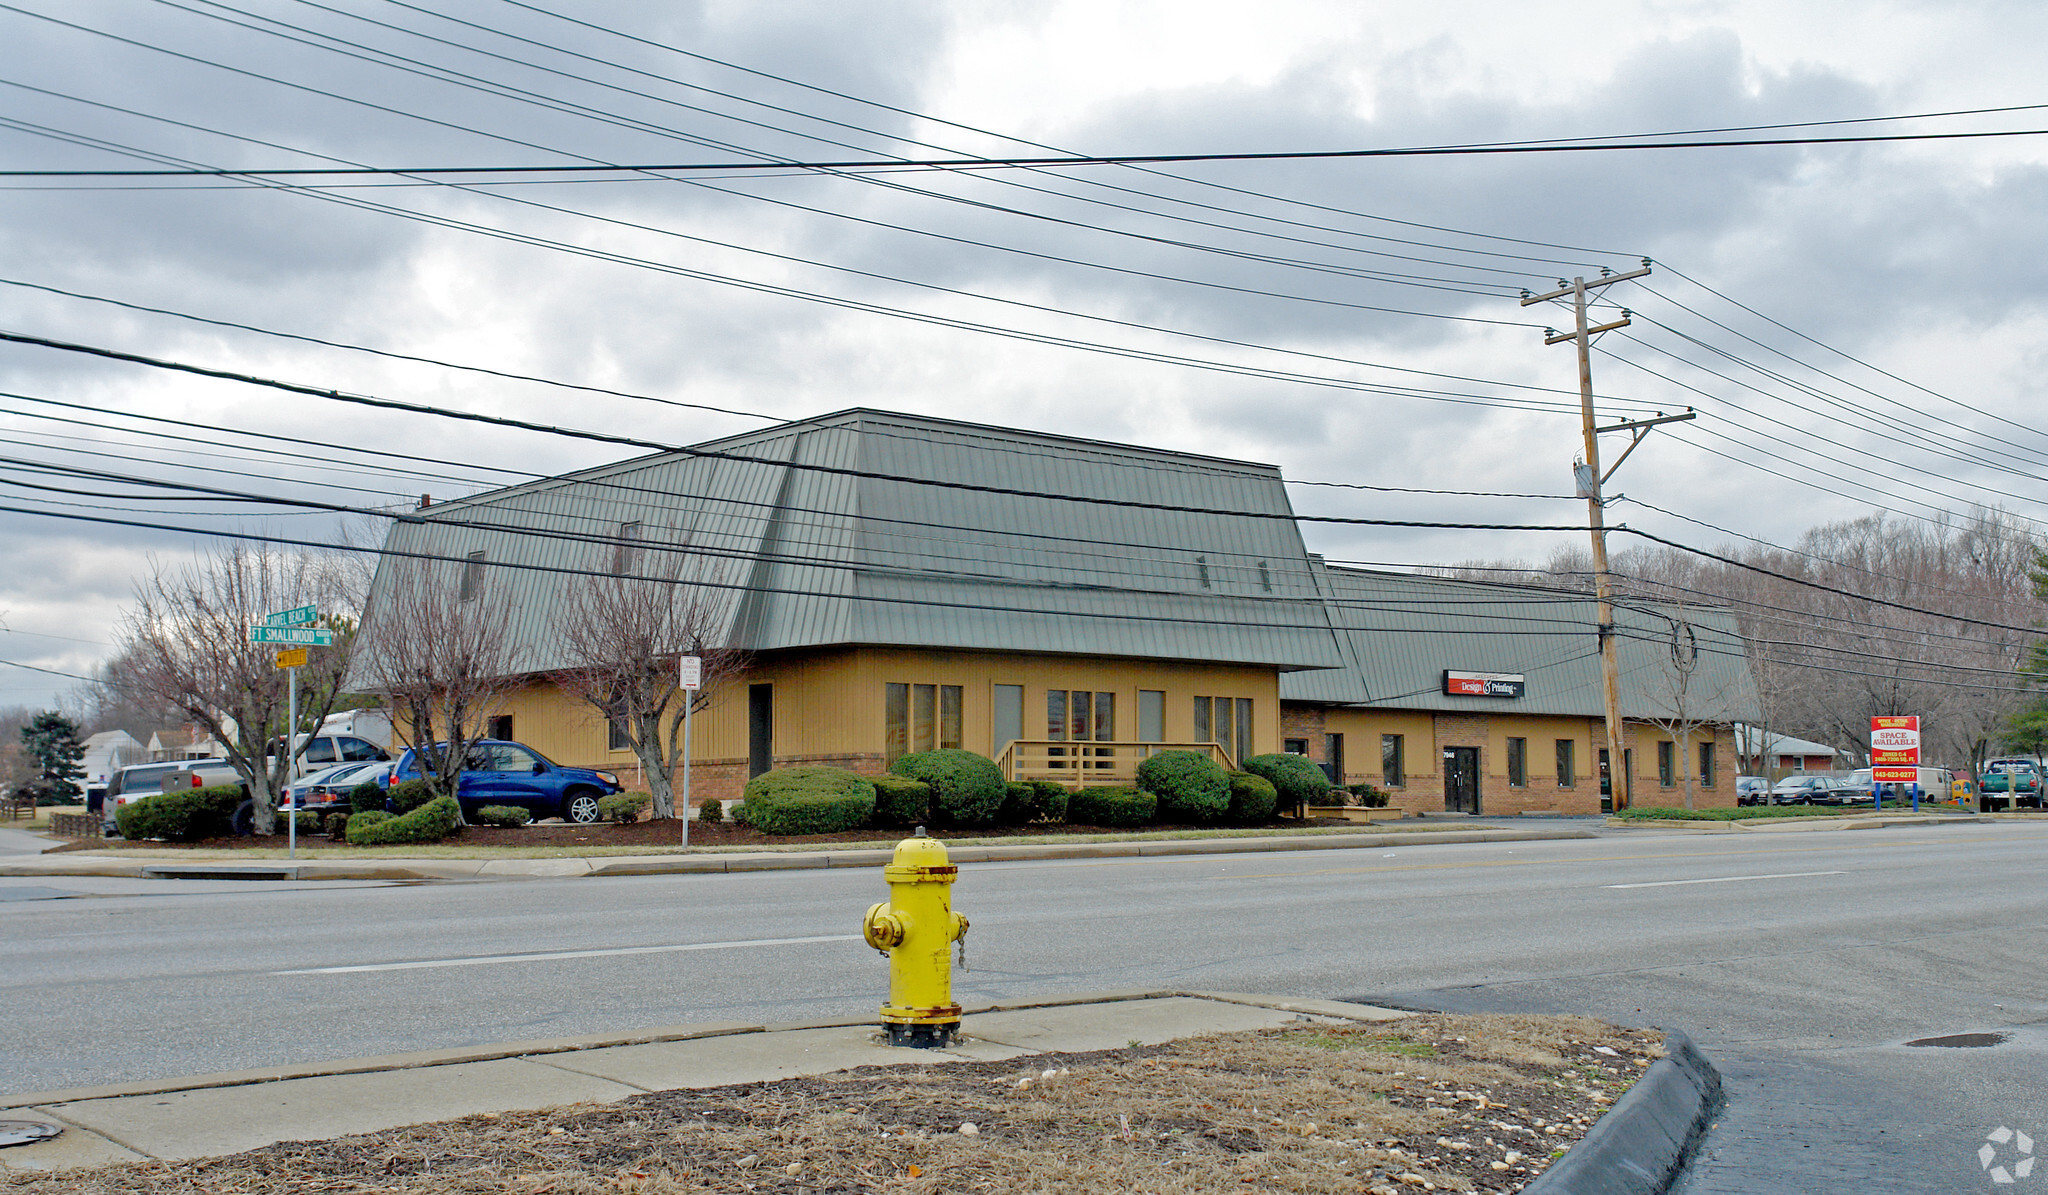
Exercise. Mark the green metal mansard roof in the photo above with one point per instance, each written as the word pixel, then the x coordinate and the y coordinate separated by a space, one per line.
pixel 1402 631
pixel 793 538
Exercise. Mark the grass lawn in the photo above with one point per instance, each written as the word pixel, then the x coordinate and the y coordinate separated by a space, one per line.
pixel 1754 812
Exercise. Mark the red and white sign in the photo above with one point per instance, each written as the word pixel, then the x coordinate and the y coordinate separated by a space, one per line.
pixel 1482 684
pixel 690 673
pixel 1895 749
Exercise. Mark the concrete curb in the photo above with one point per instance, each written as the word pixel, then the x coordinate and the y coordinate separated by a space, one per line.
pixel 627 865
pixel 1643 1143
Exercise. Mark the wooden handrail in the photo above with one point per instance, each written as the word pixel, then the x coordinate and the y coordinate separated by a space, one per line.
pixel 1080 763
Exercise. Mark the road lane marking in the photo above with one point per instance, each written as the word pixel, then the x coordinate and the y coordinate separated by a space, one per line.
pixel 1783 875
pixel 1464 864
pixel 488 960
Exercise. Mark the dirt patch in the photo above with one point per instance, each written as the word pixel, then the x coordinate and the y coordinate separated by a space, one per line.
pixel 664 834
pixel 1435 1103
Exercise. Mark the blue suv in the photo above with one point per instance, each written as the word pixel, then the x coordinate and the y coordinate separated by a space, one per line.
pixel 497 772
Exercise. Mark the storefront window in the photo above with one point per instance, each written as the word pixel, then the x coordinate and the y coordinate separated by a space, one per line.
pixel 1393 772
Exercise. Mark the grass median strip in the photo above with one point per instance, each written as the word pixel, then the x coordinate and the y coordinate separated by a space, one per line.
pixel 1446 1103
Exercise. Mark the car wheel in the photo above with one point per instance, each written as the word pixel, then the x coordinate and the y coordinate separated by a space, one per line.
pixel 243 820
pixel 580 807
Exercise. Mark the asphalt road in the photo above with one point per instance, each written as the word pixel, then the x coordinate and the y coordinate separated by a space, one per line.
pixel 1800 961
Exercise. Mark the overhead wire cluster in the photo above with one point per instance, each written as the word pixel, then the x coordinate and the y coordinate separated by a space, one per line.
pixel 1126 217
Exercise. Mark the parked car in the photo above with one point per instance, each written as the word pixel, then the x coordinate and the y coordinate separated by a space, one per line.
pixel 2010 783
pixel 1800 790
pixel 327 789
pixel 499 772
pixel 1752 790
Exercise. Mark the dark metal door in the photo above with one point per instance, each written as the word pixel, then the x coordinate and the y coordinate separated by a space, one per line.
pixel 1461 779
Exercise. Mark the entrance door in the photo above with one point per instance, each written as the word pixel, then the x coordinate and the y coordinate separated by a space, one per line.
pixel 1333 757
pixel 1461 779
pixel 760 729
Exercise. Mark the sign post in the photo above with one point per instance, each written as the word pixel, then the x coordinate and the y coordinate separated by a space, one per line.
pixel 1894 755
pixel 292 626
pixel 689 678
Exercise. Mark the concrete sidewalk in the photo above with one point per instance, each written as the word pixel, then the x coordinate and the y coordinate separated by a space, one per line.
pixel 211 1115
pixel 167 864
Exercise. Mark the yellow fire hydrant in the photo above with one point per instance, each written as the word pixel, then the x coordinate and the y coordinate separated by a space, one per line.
pixel 917 927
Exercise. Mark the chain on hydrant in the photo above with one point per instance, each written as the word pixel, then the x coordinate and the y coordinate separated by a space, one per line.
pixel 917 927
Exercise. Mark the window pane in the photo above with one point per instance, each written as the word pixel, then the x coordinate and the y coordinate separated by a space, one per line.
pixel 895 722
pixel 1566 776
pixel 1008 702
pixel 1056 714
pixel 1151 716
pixel 1664 764
pixel 1392 772
pixel 924 702
pixel 949 716
pixel 1077 715
pixel 615 739
pixel 1244 729
pixel 1202 731
pixel 1518 762
pixel 1223 725
pixel 1105 717
pixel 1707 764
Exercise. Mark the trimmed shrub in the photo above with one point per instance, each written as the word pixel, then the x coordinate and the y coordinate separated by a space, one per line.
pixel 711 811
pixel 309 821
pixel 1191 787
pixel 1369 796
pixel 365 797
pixel 1117 806
pixel 408 795
pixel 186 815
pixel 360 822
pixel 1299 782
pixel 737 815
pixel 623 808
pixel 508 817
pixel 1029 801
pixel 901 802
pixel 1252 799
pixel 808 801
pixel 431 822
pixel 337 824
pixel 967 789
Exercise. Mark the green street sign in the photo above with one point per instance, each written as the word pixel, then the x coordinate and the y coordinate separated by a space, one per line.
pixel 292 618
pixel 295 636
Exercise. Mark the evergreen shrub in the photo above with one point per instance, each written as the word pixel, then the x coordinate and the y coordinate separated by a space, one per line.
pixel 507 817
pixel 1191 786
pixel 711 811
pixel 337 824
pixel 808 801
pixel 1121 805
pixel 623 808
pixel 365 797
pixel 900 801
pixel 1252 799
pixel 186 815
pixel 967 789
pixel 431 822
pixel 1298 781
pixel 408 795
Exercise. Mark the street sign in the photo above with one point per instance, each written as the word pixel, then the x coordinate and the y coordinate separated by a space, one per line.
pixel 692 673
pixel 1895 749
pixel 304 636
pixel 292 618
pixel 292 657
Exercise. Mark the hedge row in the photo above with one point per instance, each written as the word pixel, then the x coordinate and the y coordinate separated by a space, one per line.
pixel 431 822
pixel 808 801
pixel 187 815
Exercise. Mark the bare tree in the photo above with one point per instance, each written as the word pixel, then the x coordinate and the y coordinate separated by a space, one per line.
pixel 623 629
pixel 437 642
pixel 186 646
pixel 1690 700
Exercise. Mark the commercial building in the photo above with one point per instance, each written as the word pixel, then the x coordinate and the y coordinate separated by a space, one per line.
pixel 901 582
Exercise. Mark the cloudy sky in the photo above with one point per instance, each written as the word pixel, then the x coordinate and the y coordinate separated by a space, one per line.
pixel 1856 324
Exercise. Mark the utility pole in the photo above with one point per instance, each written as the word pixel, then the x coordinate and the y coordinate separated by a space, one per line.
pixel 1590 479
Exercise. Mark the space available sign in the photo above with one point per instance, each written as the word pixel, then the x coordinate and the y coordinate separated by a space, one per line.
pixel 1482 684
pixel 1894 749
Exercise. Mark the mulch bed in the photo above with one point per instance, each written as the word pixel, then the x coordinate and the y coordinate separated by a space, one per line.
pixel 667 833
pixel 1433 1103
